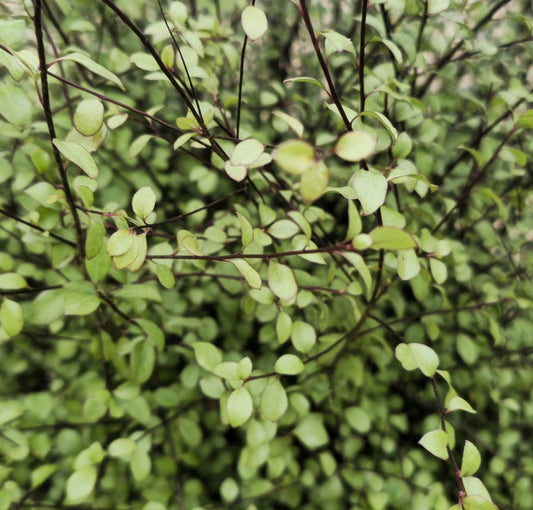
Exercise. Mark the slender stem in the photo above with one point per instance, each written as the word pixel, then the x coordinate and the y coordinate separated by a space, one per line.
pixel 241 79
pixel 362 57
pixel 332 90
pixel 440 409
pixel 80 244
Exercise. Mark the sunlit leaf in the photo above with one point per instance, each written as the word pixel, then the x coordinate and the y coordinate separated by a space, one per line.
pixel 435 442
pixel 254 22
pixel 79 156
pixel 239 406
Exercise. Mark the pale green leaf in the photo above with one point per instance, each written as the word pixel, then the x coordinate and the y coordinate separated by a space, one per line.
pixel 121 447
pixel 235 172
pixel 294 156
pixel 288 364
pixel 274 401
pixel 371 189
pixel 435 442
pixel 390 238
pixel 141 250
pixel 436 6
pixel 475 487
pixel 478 503
pixel 81 483
pixel 305 79
pixel 408 264
pixel 138 145
pixel 314 182
pixel 119 242
pixel 207 355
pixel 358 419
pixel 11 317
pixel 144 61
pixel 165 276
pixel 251 276
pixel 291 121
pixel 471 459
pixel 457 403
pixel 94 68
pixel 12 281
pixel 81 303
pixel 227 370
pixel 283 327
pixel 239 406
pixel 438 270
pixel 89 117
pixel 385 122
pixel 355 145
pixel 142 361
pixel 283 229
pixel 41 474
pixel 79 155
pixel 143 202
pixel 415 355
pixel 247 231
pixel 303 336
pixel 244 368
pixel 187 241
pixel 254 22
pixel 281 281
pixel 154 332
pixel 246 152
pixel 140 464
pixel 94 240
pixel 311 432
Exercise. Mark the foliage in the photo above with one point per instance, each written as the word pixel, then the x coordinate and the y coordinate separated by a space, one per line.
pixel 266 255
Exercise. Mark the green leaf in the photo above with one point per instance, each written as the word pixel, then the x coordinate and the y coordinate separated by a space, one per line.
pixel 207 355
pixel 11 317
pixel 371 189
pixel 438 270
pixel 435 442
pixel 79 155
pixel 81 303
pixel 303 336
pixel 457 403
pixel 229 490
pixel 41 474
pixel 288 364
pixel 165 276
pixel 138 145
pixel 291 121
pixel 15 106
pixel 525 120
pixel 142 361
pixel 144 61
pixel 187 241
pixel 415 355
pixel 358 419
pixel 247 231
pixel 154 332
pixel 281 281
pixel 283 327
pixel 94 241
pixel 475 487
pixel 12 281
pixel 283 229
pixel 311 431
pixel 120 242
pixel 314 182
pixel 478 503
pixel 385 122
pixel 94 68
pixel 355 145
pixel 227 370
pixel 246 152
pixel 89 117
pixel 140 464
pixel 391 238
pixel 408 264
pixel 274 401
pixel 244 368
pixel 239 406
pixel 254 22
pixel 436 6
pixel 305 79
pixel 251 276
pixel 236 173
pixel 471 459
pixel 355 225
pixel 81 483
pixel 294 156
pixel 143 202
pixel 121 447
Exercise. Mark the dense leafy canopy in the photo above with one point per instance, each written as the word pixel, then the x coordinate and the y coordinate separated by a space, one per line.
pixel 266 255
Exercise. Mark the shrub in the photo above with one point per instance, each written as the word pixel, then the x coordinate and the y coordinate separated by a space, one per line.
pixel 266 256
